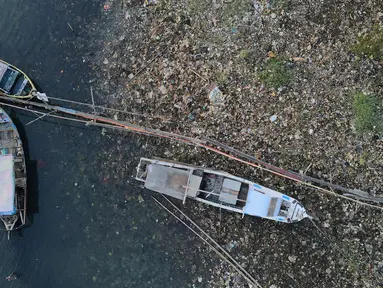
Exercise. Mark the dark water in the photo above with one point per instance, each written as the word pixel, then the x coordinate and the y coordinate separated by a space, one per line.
pixel 87 228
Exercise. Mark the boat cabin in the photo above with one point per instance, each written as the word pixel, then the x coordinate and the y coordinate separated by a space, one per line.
pixel 7 186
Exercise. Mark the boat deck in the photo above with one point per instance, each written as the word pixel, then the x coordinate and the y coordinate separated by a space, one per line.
pixel 13 82
pixel 181 181
pixel 214 183
pixel 11 151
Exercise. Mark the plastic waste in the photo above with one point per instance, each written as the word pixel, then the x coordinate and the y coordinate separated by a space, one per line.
pixel 150 2
pixel 191 117
pixel 258 8
pixel 106 6
pixel 216 96
pixel 41 96
pixel 231 245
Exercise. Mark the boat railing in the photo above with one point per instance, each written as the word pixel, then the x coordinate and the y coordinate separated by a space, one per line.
pixel 140 174
pixel 212 193
pixel 187 187
pixel 220 205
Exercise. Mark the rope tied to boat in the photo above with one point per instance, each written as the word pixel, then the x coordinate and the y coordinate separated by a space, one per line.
pixel 215 246
pixel 96 120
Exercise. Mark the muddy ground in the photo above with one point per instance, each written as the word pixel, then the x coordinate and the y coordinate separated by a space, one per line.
pixel 294 86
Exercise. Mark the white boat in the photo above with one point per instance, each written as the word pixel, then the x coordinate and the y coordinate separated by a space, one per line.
pixel 219 189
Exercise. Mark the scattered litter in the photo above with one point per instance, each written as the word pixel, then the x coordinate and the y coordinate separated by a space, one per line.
pixel 163 90
pixel 187 99
pixel 216 96
pixel 106 6
pixel 11 277
pixel 292 259
pixel 311 131
pixel 200 59
pixel 298 59
pixel 258 8
pixel 271 54
pixel 150 2
pixel 70 27
pixel 140 199
pixel 199 279
pixel 203 78
pixel 191 117
pixel 231 245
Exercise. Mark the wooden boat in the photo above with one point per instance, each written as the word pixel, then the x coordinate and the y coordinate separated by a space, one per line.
pixel 13 177
pixel 219 189
pixel 16 84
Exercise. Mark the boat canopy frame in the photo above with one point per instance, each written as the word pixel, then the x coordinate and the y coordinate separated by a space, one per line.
pixel 186 185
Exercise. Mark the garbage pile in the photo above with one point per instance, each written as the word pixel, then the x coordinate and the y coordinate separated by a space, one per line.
pixel 276 79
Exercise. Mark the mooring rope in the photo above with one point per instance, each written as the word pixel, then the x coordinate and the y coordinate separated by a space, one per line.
pixel 93 119
pixel 246 275
pixel 207 235
pixel 336 246
pixel 111 109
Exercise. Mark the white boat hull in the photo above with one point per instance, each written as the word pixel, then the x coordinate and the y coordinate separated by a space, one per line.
pixel 219 189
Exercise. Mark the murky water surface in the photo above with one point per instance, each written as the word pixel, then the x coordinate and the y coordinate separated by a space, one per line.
pixel 88 227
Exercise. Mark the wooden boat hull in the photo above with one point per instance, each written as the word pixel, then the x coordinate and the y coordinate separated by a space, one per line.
pixel 14 82
pixel 11 147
